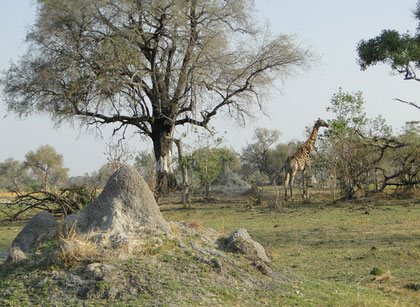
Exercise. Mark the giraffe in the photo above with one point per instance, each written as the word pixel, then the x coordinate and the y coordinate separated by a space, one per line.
pixel 301 161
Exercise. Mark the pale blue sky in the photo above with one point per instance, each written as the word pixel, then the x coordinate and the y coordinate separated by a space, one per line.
pixel 331 28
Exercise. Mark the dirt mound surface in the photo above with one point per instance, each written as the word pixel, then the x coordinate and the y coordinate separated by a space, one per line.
pixel 125 205
pixel 188 267
pixel 230 183
pixel 40 228
pixel 119 249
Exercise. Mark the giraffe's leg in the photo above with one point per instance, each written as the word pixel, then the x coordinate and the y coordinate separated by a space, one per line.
pixel 292 178
pixel 307 179
pixel 307 187
pixel 303 185
pixel 286 182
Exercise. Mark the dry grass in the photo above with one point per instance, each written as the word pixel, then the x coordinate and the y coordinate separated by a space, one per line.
pixel 383 277
pixel 194 223
pixel 5 194
pixel 77 248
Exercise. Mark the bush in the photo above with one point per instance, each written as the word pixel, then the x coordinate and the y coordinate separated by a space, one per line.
pixel 377 271
pixel 62 202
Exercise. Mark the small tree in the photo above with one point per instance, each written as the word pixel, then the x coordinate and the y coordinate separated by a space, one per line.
pixel 47 165
pixel 208 159
pixel 343 148
pixel 401 166
pixel 259 156
pixel 13 174
pixel 118 154
pixel 145 163
pixel 208 163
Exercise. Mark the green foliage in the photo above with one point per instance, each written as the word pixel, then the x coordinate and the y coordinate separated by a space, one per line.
pixel 400 51
pixel 13 174
pixel 348 111
pixel 362 154
pixel 208 160
pixel 145 163
pixel 79 196
pixel 348 157
pixel 377 271
pixel 208 165
pixel 60 202
pixel 402 167
pixel 47 165
pixel 260 160
pixel 390 47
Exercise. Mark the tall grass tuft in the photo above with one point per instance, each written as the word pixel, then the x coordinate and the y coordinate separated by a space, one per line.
pixel 76 248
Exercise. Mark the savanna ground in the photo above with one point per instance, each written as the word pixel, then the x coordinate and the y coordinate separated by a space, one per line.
pixel 342 253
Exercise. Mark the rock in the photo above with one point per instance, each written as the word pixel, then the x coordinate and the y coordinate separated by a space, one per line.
pixel 125 205
pixel 241 242
pixel 40 228
pixel 15 255
pixel 98 270
pixel 263 268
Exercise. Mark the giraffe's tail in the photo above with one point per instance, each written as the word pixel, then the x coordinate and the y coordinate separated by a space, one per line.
pixel 278 173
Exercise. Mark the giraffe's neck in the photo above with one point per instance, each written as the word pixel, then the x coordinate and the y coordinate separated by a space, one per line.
pixel 312 138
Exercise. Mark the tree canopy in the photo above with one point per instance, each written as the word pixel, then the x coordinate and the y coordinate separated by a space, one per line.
pixel 46 164
pixel 400 51
pixel 259 156
pixel 153 65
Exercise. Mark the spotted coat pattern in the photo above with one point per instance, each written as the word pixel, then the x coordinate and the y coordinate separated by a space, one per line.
pixel 301 161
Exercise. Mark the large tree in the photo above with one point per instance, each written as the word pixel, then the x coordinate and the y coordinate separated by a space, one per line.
pixel 150 64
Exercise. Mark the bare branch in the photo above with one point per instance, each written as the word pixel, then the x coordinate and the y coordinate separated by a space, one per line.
pixel 413 104
pixel 382 142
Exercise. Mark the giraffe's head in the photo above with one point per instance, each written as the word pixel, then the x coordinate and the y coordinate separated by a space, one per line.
pixel 321 123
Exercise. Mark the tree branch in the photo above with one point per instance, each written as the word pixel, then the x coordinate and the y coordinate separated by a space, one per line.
pixel 413 104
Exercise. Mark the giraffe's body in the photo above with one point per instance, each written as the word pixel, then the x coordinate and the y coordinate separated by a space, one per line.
pixel 301 161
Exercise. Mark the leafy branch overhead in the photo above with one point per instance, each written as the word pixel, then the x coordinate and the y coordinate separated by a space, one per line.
pixel 400 51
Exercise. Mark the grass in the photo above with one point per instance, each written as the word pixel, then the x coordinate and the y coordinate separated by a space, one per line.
pixel 8 231
pixel 331 248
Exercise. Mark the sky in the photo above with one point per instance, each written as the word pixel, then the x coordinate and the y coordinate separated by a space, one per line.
pixel 329 28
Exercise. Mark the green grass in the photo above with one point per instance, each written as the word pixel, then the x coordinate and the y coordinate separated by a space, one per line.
pixel 8 231
pixel 330 248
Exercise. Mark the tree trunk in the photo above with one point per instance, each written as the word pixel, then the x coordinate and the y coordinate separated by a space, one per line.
pixel 272 178
pixel 162 145
pixel 207 191
pixel 185 187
